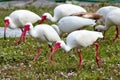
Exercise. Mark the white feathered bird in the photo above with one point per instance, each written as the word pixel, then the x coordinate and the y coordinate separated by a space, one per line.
pixel 71 23
pixel 77 39
pixel 42 33
pixel 104 11
pixel 18 18
pixel 62 11
pixel 112 19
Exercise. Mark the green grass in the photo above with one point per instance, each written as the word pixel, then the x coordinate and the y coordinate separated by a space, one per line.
pixel 16 61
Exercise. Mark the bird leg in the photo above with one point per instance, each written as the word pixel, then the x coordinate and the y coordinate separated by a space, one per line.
pixel 97 57
pixel 52 51
pixel 37 55
pixel 19 41
pixel 117 34
pixel 51 54
pixel 104 35
pixel 80 58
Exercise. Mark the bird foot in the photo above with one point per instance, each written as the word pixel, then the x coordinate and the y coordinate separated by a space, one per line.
pixel 119 36
pixel 114 40
pixel 17 42
pixel 99 63
pixel 52 62
pixel 103 38
pixel 34 60
pixel 79 66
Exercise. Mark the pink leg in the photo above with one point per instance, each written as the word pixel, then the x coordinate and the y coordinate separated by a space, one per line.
pixel 52 53
pixel 97 57
pixel 80 58
pixel 117 34
pixel 37 55
pixel 19 41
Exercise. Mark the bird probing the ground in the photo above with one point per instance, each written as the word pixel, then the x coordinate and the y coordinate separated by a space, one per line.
pixel 84 38
pixel 43 33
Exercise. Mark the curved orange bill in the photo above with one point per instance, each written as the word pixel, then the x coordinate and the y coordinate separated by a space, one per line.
pixel 43 19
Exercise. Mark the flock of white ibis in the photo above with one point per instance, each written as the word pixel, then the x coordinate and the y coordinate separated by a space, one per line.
pixel 71 19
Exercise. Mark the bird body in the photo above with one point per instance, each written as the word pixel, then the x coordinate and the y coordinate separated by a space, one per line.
pixel 62 11
pixel 71 23
pixel 113 18
pixel 44 33
pixel 104 11
pixel 84 38
pixel 20 17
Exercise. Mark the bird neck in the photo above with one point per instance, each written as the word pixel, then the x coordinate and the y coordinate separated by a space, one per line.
pixel 56 28
pixel 32 32
pixel 12 25
pixel 53 19
pixel 66 47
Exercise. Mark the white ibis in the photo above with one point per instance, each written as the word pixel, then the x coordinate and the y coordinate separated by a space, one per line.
pixel 18 18
pixel 77 39
pixel 104 11
pixel 112 19
pixel 43 33
pixel 71 23
pixel 62 11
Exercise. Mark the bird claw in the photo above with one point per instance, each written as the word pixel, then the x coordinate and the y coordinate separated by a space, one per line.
pixel 34 60
pixel 52 62
pixel 79 66
pixel 17 42
pixel 99 63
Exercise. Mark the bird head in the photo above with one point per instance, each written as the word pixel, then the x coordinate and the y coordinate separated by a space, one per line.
pixel 44 17
pixel 6 24
pixel 59 44
pixel 55 48
pixel 100 28
pixel 26 28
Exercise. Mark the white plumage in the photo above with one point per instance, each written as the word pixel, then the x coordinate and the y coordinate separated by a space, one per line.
pixel 112 19
pixel 62 11
pixel 104 11
pixel 18 18
pixel 43 33
pixel 71 23
pixel 80 38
